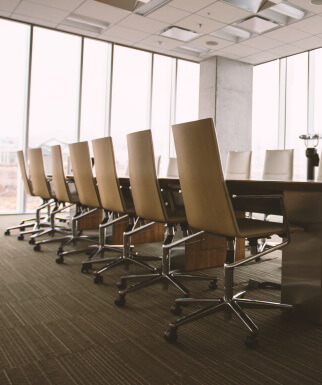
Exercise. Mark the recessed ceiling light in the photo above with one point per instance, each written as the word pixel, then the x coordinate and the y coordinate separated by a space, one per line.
pixel 257 24
pixel 288 10
pixel 190 49
pixel 87 23
pixel 249 5
pixel 232 33
pixel 211 42
pixel 179 33
pixel 150 6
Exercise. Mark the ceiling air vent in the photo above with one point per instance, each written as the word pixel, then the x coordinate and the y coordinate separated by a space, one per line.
pixel 179 33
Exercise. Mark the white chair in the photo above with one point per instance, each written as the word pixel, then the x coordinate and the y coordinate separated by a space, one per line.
pixel 172 170
pixel 319 177
pixel 238 165
pixel 278 165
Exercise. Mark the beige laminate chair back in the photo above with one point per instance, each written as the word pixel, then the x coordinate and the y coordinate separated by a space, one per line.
pixel 205 196
pixel 106 176
pixel 238 165
pixel 38 177
pixel 319 176
pixel 172 170
pixel 22 165
pixel 278 165
pixel 83 174
pixel 143 178
pixel 59 180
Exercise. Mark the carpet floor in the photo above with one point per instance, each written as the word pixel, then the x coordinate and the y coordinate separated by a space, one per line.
pixel 58 327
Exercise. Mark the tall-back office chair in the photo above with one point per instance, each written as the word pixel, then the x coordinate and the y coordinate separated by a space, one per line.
pixel 278 165
pixel 65 193
pixel 34 222
pixel 149 205
pixel 238 165
pixel 42 188
pixel 209 208
pixel 118 203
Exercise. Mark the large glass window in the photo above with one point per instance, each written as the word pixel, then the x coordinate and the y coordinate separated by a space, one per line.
pixel 296 110
pixel 130 98
pixel 161 107
pixel 95 89
pixel 265 113
pixel 14 47
pixel 54 97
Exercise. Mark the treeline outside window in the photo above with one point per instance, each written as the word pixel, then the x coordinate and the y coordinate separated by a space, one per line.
pixel 287 96
pixel 59 88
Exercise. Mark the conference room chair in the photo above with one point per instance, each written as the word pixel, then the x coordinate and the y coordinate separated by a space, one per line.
pixel 238 165
pixel 65 194
pixel 150 206
pixel 37 221
pixel 209 208
pixel 118 203
pixel 42 188
pixel 157 161
pixel 278 165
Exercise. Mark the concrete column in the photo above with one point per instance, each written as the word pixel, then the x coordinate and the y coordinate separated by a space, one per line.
pixel 226 96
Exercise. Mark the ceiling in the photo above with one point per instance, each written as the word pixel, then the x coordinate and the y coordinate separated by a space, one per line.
pixel 201 16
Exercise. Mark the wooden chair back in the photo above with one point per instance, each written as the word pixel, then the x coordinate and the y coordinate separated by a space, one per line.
pixel 83 174
pixel 207 203
pixel 59 179
pixel 22 165
pixel 38 177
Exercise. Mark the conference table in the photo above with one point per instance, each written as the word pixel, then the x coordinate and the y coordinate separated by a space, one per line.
pixel 302 258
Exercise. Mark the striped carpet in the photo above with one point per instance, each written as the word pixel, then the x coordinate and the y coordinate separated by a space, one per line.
pixel 58 327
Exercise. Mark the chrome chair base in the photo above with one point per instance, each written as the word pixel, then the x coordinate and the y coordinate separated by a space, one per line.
pixel 234 305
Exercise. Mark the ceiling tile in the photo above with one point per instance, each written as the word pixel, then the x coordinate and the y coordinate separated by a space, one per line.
pixel 149 48
pixel 168 14
pixel 42 12
pixel 8 5
pixel 185 56
pixel 202 42
pixel 306 4
pixel 287 34
pixel 142 23
pixel 191 5
pixel 200 24
pixel 114 39
pixel 224 54
pixel 258 58
pixel 309 42
pixel 286 50
pixel 102 11
pixel 5 13
pixel 67 5
pixel 161 42
pixel 79 31
pixel 128 34
pixel 312 25
pixel 33 20
pixel 239 50
pixel 225 13
pixel 262 43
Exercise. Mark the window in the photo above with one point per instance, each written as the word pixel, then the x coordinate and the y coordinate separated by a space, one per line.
pixel 95 89
pixel 54 97
pixel 14 47
pixel 130 98
pixel 265 113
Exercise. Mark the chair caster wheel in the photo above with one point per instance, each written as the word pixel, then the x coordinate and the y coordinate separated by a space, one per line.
pixel 121 284
pixel 22 229
pixel 7 232
pixel 59 251
pixel 257 259
pixel 37 248
pixel 98 279
pixel 20 237
pixel 60 260
pixel 31 241
pixel 213 285
pixel 171 336
pixel 120 301
pixel 176 309
pixel 287 315
pixel 86 267
pixel 251 341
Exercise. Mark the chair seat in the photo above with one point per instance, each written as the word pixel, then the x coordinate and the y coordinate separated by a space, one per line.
pixel 252 228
